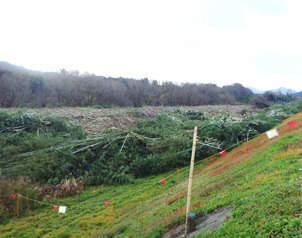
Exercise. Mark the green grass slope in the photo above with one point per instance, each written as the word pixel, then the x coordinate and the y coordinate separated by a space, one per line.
pixel 261 179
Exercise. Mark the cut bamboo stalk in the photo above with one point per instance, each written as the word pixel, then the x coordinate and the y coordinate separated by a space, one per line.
pixel 190 179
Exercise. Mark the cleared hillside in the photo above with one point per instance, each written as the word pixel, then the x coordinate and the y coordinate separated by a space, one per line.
pixel 261 179
pixel 96 120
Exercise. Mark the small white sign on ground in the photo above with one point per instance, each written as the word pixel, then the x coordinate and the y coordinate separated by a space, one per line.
pixel 272 133
pixel 62 209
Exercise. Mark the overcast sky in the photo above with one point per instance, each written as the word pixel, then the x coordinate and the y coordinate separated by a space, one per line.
pixel 256 43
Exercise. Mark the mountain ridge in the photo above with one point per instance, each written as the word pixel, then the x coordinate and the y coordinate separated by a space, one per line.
pixel 16 68
pixel 281 90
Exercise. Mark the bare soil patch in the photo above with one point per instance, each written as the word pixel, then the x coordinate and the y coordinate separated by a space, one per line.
pixel 95 120
pixel 204 223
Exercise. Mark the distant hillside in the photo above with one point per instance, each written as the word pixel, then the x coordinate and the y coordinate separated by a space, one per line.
pixel 284 91
pixel 71 88
pixel 281 90
pixel 11 67
pixel 299 94
pixel 255 91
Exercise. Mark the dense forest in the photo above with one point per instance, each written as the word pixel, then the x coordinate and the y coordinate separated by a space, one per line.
pixel 70 88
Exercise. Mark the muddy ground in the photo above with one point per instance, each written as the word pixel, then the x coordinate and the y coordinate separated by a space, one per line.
pixel 203 223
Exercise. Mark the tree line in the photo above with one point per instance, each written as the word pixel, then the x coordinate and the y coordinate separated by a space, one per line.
pixel 70 88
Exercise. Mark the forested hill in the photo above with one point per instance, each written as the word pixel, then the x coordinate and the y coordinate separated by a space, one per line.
pixel 21 89
pixel 26 88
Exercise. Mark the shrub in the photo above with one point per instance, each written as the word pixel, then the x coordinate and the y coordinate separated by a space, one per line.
pixel 261 102
pixel 9 190
pixel 68 187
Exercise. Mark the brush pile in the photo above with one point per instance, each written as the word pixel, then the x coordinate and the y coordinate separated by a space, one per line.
pixel 50 150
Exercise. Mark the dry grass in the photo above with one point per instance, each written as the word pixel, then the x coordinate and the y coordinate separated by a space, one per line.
pixel 68 187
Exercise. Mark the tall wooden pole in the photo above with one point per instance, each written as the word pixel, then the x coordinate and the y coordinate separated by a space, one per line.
pixel 191 179
pixel 244 148
pixel 18 203
pixel 178 175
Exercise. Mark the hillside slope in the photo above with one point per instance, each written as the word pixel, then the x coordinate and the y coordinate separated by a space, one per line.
pixel 261 179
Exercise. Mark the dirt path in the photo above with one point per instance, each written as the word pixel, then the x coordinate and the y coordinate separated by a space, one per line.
pixel 208 222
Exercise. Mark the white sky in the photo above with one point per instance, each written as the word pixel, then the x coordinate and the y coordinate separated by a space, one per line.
pixel 256 43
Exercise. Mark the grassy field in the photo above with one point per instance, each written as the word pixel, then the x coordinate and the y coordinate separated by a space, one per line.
pixel 261 179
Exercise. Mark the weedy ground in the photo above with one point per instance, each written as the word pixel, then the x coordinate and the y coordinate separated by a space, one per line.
pixel 261 179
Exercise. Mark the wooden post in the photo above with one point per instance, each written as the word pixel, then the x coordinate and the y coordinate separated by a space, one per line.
pixel 112 205
pixel 190 179
pixel 244 148
pixel 178 175
pixel 18 204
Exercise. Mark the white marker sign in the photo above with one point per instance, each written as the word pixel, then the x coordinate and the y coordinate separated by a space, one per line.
pixel 272 133
pixel 62 209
